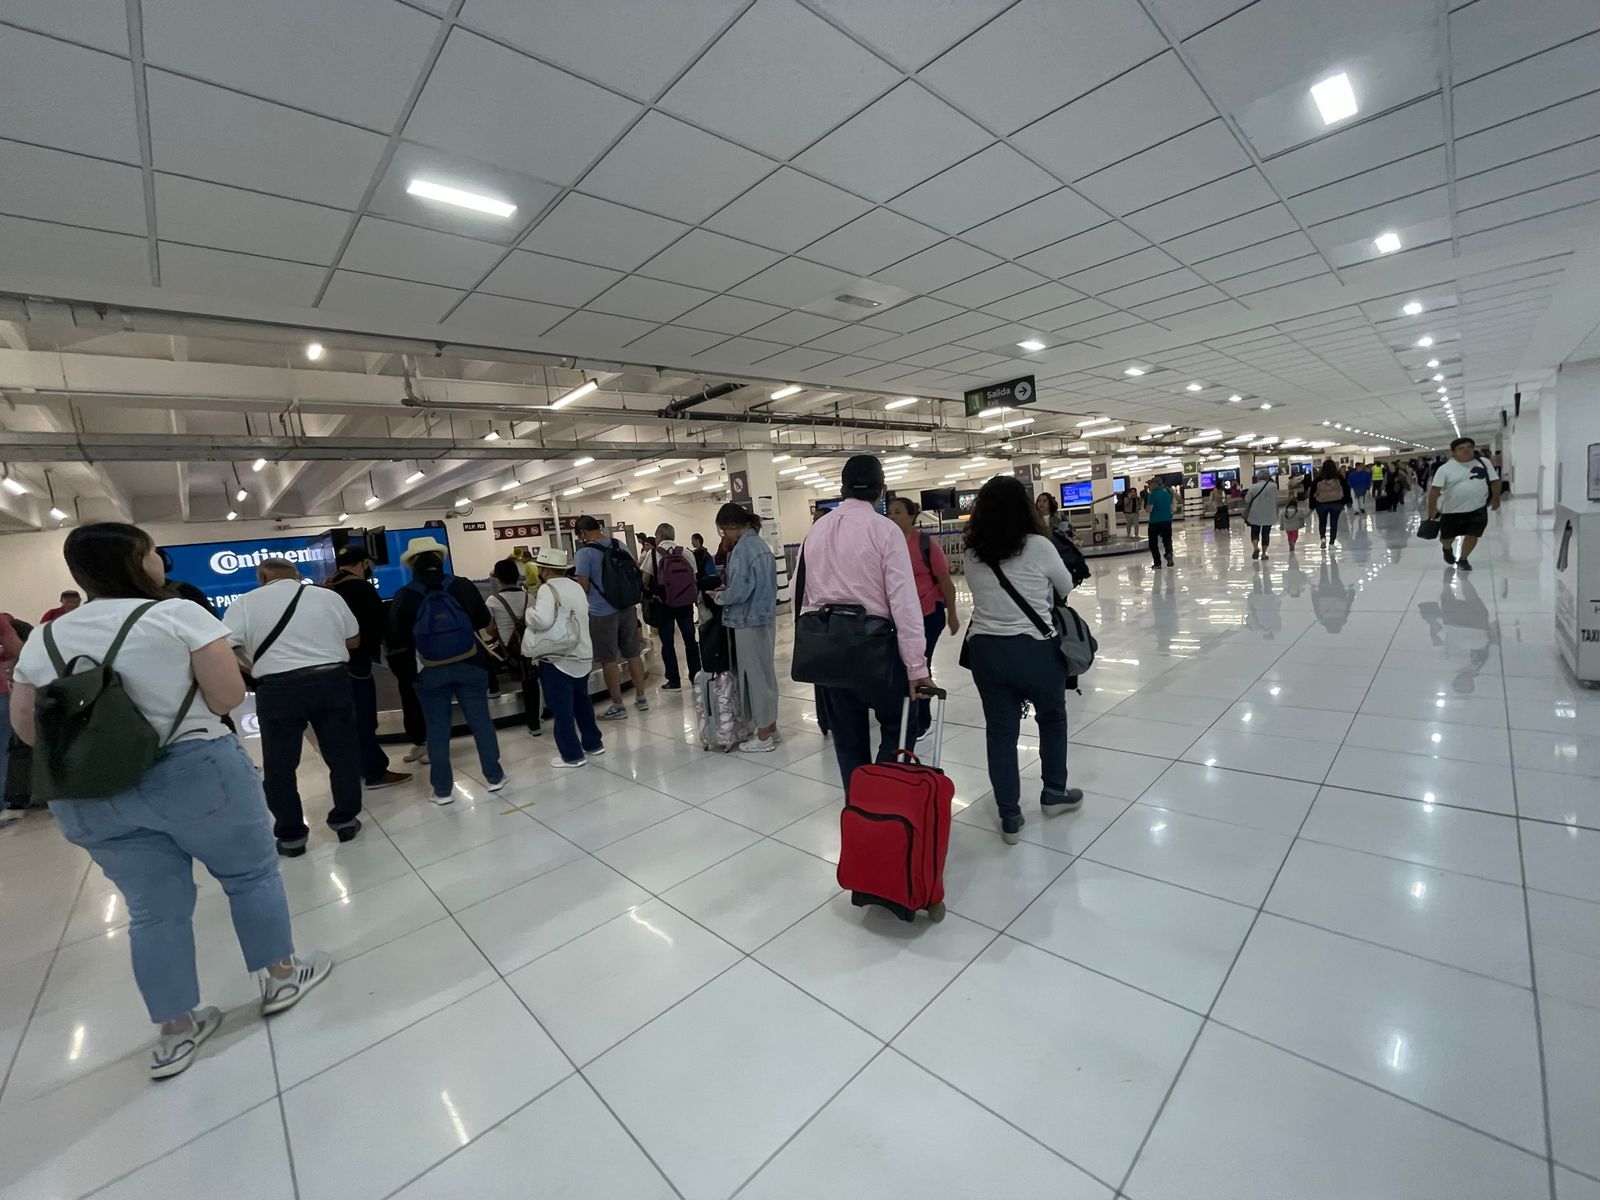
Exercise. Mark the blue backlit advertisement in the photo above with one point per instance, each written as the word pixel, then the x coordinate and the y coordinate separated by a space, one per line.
pixel 224 571
pixel 1075 494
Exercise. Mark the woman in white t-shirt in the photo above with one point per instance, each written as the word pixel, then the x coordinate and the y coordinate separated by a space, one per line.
pixel 1012 659
pixel 557 638
pixel 201 800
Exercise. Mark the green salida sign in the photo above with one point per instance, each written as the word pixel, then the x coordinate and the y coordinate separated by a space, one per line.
pixel 1009 394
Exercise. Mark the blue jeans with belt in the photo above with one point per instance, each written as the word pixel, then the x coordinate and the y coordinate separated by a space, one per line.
pixel 571 712
pixel 203 801
pixel 468 686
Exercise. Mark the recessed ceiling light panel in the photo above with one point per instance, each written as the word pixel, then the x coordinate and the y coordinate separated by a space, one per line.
pixel 459 198
pixel 1387 243
pixel 1335 98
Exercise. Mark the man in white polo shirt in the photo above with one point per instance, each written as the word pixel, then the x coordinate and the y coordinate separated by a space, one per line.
pixel 1460 496
pixel 297 640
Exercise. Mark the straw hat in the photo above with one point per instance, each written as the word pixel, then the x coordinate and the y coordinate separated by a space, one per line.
pixel 423 545
pixel 556 559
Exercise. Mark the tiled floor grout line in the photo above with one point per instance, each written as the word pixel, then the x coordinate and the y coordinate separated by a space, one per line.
pixel 283 1112
pixel 1206 1018
pixel 44 982
pixel 1527 919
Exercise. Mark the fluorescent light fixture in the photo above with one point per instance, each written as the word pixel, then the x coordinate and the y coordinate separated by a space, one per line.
pixel 1194 387
pixel 682 479
pixel 459 501
pixel 12 486
pixel 1135 371
pixel 1160 428
pixel 646 471
pixel 314 351
pixel 1235 398
pixel 1439 378
pixel 519 506
pixel 1425 341
pixel 652 499
pixel 1094 421
pixel 1032 345
pixel 903 402
pixel 510 485
pixel 57 515
pixel 370 501
pixel 232 516
pixel 1335 98
pixel 1432 363
pixel 793 471
pixel 258 464
pixel 577 393
pixel 240 496
pixel 1387 242
pixel 1264 407
pixel 1110 430
pixel 778 458
pixel 710 487
pixel 419 473
pixel 783 393
pixel 444 194
pixel 343 517
pixel 995 412
pixel 1413 308
pixel 1444 391
pixel 576 490
pixel 620 495
pixel 898 458
pixel 492 436
pixel 582 462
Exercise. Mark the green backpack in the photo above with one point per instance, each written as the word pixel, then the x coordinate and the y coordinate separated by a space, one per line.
pixel 93 741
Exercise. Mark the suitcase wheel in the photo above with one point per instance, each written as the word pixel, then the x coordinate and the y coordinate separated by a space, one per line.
pixel 936 912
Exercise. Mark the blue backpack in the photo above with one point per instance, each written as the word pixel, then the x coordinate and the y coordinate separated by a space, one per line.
pixel 442 632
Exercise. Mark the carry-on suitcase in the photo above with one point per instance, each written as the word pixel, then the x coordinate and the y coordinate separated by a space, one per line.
pixel 1220 521
pixel 895 828
pixel 719 716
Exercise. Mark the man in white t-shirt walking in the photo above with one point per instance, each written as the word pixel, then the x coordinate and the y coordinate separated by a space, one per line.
pixel 298 640
pixel 1460 495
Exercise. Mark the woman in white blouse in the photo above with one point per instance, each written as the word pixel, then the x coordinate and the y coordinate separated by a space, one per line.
pixel 1013 660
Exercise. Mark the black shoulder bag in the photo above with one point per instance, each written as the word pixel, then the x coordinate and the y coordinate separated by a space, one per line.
pixel 840 645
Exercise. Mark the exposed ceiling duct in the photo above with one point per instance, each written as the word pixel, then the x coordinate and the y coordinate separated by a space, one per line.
pixel 715 392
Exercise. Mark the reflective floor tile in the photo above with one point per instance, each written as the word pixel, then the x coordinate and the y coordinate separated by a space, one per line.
pixel 1432 739
pixel 427 1091
pixel 1562 859
pixel 1561 753
pixel 1287 758
pixel 1077 1060
pixel 599 988
pixel 533 918
pixel 757 894
pixel 1561 799
pixel 1572 1061
pixel 869 965
pixel 1566 946
pixel 1230 861
pixel 1572 1186
pixel 681 846
pixel 614 816
pixel 249 1151
pixel 1434 835
pixel 1137 735
pixel 816 834
pixel 1286 721
pixel 563 1146
pixel 928 1140
pixel 1112 772
pixel 1238 797
pixel 1460 920
pixel 1070 833
pixel 710 775
pixel 466 878
pixel 991 882
pixel 1152 935
pixel 1457 1043
pixel 1418 777
pixel 779 1057
pixel 770 803
pixel 1249 1122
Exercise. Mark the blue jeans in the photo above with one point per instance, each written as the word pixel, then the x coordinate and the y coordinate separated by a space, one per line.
pixel 1328 519
pixel 848 712
pixel 203 801
pixel 5 743
pixel 468 686
pixel 571 711
pixel 1007 671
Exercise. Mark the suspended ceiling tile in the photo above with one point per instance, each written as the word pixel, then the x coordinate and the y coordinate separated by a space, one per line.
pixel 598 330
pixel 385 248
pixel 498 320
pixel 1568 162
pixel 780 78
pixel 992 181
pixel 76 99
pixel 1177 165
pixel 1071 314
pixel 1491 33
pixel 599 232
pixel 911 32
pixel 525 275
pixel 793 283
pixel 1039 54
pixel 675 169
pixel 36 248
pixel 673 341
pixel 894 144
pixel 480 99
pixel 1185 18
pixel 355 60
pixel 1038 223
pixel 871 242
pixel 1257 257
pixel 787 210
pixel 102 24
pixel 937 266
pixel 648 299
pixel 194 130
pixel 209 214
pixel 1083 250
pixel 1533 134
pixel 1234 234
pixel 795 327
pixel 730 315
pixel 238 276
pixel 1007 279
pixel 851 339
pixel 913 314
pixel 1035 300
pixel 742 351
pixel 70 188
pixel 1414 174
pixel 797 358
pixel 1236 194
pixel 1169 283
pixel 378 298
pixel 636 48
pixel 709 260
pixel 1119 272
pixel 1538 82
pixel 1360 147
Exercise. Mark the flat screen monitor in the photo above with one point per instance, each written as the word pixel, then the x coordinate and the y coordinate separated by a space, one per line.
pixel 1119 485
pixel 827 505
pixel 938 499
pixel 965 501
pixel 1208 480
pixel 1229 475
pixel 1076 495
pixel 1172 478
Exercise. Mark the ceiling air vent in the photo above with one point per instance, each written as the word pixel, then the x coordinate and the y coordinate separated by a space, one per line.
pixel 858 301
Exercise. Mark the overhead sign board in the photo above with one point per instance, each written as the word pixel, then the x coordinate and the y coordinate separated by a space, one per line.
pixel 1010 394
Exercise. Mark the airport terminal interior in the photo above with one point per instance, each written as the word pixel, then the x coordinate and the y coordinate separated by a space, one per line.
pixel 288 280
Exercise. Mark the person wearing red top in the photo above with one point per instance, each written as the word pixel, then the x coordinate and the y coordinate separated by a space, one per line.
pixel 10 647
pixel 935 590
pixel 69 601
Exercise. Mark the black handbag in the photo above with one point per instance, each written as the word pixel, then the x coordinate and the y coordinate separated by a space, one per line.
pixel 840 645
pixel 716 647
pixel 1428 530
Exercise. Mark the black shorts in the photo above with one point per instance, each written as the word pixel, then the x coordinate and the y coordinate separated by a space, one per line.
pixel 1464 524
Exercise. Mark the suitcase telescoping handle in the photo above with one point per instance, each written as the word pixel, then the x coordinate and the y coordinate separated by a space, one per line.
pixel 904 751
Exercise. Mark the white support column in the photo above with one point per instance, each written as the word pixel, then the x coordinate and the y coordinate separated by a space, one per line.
pixel 760 495
pixel 1101 488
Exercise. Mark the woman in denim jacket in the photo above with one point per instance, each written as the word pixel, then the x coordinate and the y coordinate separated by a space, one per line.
pixel 749 600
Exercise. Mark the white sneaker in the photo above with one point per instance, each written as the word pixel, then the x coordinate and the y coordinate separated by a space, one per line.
pixel 279 994
pixel 175 1052
pixel 448 798
pixel 558 761
pixel 8 815
pixel 417 754
pixel 495 787
pixel 596 752
pixel 757 746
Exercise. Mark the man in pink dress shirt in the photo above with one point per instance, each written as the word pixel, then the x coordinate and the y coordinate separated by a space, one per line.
pixel 856 556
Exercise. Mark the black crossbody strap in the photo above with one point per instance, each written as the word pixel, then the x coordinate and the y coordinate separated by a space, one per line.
pixel 183 711
pixel 1038 622
pixel 800 584
pixel 272 635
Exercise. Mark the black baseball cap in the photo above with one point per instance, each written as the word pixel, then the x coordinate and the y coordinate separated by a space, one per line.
pixel 353 553
pixel 862 476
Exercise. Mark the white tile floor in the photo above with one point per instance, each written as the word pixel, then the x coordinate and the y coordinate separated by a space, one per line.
pixel 1327 927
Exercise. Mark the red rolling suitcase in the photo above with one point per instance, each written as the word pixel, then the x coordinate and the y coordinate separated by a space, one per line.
pixel 895 829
